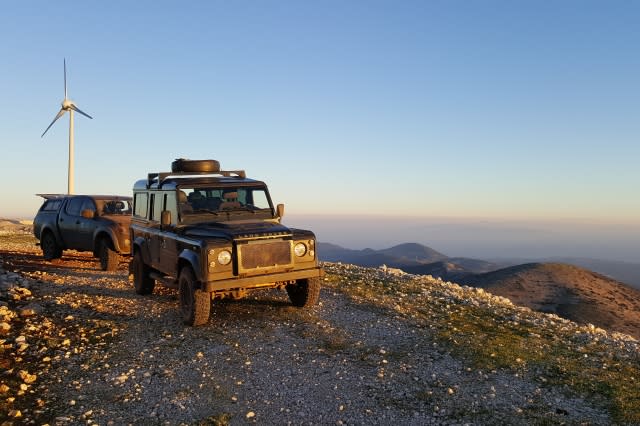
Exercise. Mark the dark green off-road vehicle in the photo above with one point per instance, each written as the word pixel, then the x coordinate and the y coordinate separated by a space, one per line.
pixel 211 234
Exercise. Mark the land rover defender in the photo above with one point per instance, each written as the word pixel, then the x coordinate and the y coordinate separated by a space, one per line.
pixel 211 234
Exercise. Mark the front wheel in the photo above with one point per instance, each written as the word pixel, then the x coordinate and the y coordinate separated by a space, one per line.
pixel 109 258
pixel 142 283
pixel 304 292
pixel 50 247
pixel 195 304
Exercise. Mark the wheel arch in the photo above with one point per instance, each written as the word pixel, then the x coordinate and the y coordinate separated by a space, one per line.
pixel 49 229
pixel 191 259
pixel 140 244
pixel 103 234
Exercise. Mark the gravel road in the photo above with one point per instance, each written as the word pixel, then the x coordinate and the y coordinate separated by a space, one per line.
pixel 100 354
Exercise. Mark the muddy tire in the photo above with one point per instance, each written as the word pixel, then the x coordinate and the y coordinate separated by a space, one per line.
pixel 305 292
pixel 142 283
pixel 109 258
pixel 195 304
pixel 50 247
pixel 184 165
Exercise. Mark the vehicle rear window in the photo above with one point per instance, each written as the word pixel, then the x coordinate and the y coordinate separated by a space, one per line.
pixel 51 205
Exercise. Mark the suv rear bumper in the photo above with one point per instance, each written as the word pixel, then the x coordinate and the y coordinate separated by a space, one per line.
pixel 269 280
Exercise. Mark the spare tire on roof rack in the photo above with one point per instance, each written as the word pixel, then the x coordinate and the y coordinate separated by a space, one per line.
pixel 186 165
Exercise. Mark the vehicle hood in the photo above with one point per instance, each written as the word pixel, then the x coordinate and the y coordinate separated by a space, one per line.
pixel 235 230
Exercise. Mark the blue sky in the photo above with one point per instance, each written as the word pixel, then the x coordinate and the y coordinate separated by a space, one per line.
pixel 498 110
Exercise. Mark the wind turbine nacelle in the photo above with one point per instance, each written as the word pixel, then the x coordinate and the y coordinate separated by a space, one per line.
pixel 67 104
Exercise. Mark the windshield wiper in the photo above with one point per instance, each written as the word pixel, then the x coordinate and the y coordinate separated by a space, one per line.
pixel 207 211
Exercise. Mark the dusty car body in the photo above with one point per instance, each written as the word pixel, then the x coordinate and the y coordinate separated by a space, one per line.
pixel 212 234
pixel 96 223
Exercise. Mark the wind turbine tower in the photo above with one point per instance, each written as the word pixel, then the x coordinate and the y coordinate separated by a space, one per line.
pixel 68 105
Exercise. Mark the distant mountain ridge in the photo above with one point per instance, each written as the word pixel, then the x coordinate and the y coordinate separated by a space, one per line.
pixel 419 259
pixel 626 272
pixel 410 257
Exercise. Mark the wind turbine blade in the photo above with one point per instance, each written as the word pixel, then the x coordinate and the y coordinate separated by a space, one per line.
pixel 76 109
pixel 65 77
pixel 58 115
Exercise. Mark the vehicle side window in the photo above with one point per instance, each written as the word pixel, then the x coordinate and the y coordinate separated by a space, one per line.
pixel 74 207
pixel 156 211
pixel 258 198
pixel 88 204
pixel 51 205
pixel 171 205
pixel 140 204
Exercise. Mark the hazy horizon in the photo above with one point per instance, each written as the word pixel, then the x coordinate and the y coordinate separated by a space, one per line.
pixel 480 238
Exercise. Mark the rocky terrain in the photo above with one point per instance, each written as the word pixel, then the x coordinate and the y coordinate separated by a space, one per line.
pixel 78 346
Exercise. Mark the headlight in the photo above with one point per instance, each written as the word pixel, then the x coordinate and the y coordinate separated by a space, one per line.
pixel 224 257
pixel 300 249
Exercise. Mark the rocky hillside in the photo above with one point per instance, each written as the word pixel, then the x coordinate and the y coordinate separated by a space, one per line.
pixel 382 347
pixel 14 226
pixel 569 291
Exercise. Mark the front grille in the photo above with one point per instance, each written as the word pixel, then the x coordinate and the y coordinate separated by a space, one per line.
pixel 257 256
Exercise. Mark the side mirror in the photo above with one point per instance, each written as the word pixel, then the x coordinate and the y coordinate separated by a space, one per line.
pixel 87 213
pixel 280 211
pixel 165 218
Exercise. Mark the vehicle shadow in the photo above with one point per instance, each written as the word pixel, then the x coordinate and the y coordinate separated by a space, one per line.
pixel 255 301
pixel 32 261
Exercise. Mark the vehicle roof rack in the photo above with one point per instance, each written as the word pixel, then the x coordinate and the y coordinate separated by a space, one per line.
pixel 50 196
pixel 96 196
pixel 162 176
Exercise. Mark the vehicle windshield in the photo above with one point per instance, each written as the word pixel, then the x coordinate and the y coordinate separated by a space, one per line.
pixel 226 199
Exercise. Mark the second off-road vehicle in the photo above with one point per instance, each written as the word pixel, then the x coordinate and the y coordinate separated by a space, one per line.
pixel 211 234
pixel 96 223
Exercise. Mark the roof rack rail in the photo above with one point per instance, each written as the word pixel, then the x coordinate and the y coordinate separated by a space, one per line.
pixel 51 196
pixel 162 176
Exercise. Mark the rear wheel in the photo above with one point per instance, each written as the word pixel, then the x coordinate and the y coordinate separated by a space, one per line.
pixel 50 247
pixel 109 258
pixel 305 292
pixel 195 304
pixel 142 283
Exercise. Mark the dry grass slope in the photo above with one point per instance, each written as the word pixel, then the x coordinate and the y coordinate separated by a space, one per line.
pixel 569 291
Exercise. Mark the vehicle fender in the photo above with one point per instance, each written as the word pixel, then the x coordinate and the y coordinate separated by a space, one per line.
pixel 105 231
pixel 54 230
pixel 193 259
pixel 140 244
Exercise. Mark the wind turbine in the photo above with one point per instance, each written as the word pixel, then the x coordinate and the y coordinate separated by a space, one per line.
pixel 68 105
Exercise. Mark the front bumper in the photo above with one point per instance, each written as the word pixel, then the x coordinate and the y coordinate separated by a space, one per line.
pixel 267 280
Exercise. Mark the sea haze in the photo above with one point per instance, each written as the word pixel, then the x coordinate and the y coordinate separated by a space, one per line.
pixel 482 239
